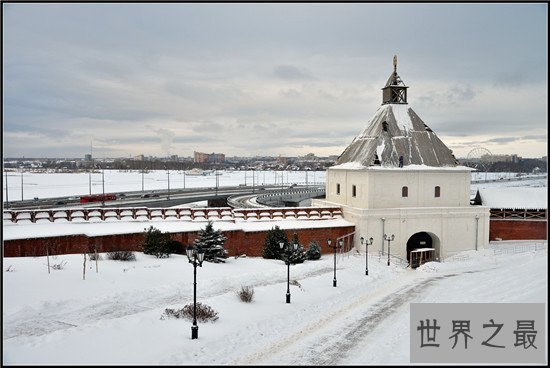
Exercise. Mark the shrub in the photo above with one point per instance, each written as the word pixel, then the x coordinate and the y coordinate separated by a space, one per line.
pixel 246 294
pixel 313 251
pixel 156 243
pixel 121 255
pixel 59 266
pixel 92 256
pixel 204 313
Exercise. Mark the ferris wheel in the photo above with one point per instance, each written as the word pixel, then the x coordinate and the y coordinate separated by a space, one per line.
pixel 479 158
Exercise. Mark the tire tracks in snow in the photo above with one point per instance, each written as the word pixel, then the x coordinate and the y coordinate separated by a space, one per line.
pixel 328 346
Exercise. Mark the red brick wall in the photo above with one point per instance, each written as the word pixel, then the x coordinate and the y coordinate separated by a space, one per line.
pixel 518 229
pixel 238 242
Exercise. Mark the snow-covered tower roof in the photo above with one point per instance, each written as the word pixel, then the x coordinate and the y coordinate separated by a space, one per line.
pixel 394 131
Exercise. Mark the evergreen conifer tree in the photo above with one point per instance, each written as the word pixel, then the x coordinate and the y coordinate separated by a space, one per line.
pixel 156 243
pixel 272 250
pixel 212 242
pixel 298 255
pixel 313 251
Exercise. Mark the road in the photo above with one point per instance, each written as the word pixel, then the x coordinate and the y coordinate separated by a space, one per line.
pixel 155 198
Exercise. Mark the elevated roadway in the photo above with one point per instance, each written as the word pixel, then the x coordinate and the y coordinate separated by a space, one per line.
pixel 153 199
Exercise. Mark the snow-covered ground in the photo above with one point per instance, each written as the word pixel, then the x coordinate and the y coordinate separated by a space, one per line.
pixel 113 317
pixel 48 185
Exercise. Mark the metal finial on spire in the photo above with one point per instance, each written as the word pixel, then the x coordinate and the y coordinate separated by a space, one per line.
pixel 395 63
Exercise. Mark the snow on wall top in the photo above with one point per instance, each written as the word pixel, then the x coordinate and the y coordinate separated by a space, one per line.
pixel 396 130
pixel 358 166
pixel 514 197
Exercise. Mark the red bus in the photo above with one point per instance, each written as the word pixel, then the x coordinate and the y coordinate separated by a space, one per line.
pixel 97 198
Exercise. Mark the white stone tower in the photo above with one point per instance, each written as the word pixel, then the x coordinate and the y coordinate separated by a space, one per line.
pixel 397 177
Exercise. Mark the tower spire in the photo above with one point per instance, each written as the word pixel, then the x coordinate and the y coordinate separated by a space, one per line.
pixel 395 91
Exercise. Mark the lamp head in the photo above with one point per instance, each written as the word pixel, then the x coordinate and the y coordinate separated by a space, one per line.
pixel 281 244
pixel 200 256
pixel 370 240
pixel 362 240
pixel 340 242
pixel 329 242
pixel 190 250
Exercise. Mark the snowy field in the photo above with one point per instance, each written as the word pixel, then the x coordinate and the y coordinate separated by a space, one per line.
pixel 113 317
pixel 48 185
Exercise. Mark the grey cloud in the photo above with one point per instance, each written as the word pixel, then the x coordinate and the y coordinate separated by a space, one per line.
pixel 456 94
pixel 211 127
pixel 460 93
pixel 41 130
pixel 512 79
pixel 538 138
pixel 502 140
pixel 290 72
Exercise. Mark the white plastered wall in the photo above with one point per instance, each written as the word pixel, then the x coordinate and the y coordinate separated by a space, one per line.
pixel 452 229
pixel 380 188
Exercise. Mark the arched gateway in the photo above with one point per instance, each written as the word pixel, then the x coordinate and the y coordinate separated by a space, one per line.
pixel 422 240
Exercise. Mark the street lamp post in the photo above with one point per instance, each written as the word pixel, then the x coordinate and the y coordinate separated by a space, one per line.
pixel 103 185
pixel 142 179
pixel 168 173
pixel 369 242
pixel 288 251
pixel 383 232
pixel 336 245
pixel 389 239
pixel 196 258
pixel 477 227
pixel 7 200
pixel 21 185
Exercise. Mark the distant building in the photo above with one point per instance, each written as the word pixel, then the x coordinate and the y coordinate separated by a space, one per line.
pixel 88 157
pixel 139 158
pixel 500 158
pixel 282 160
pixel 211 158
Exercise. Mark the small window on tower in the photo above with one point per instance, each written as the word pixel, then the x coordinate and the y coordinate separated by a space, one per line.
pixel 338 189
pixel 353 191
pixel 384 126
pixel 437 192
pixel 404 192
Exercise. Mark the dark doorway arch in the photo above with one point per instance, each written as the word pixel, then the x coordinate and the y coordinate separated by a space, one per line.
pixel 418 240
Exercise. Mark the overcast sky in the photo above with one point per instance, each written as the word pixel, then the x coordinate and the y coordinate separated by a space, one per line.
pixel 267 79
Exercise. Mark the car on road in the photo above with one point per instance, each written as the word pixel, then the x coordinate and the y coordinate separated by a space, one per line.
pixel 145 195
pixel 60 202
